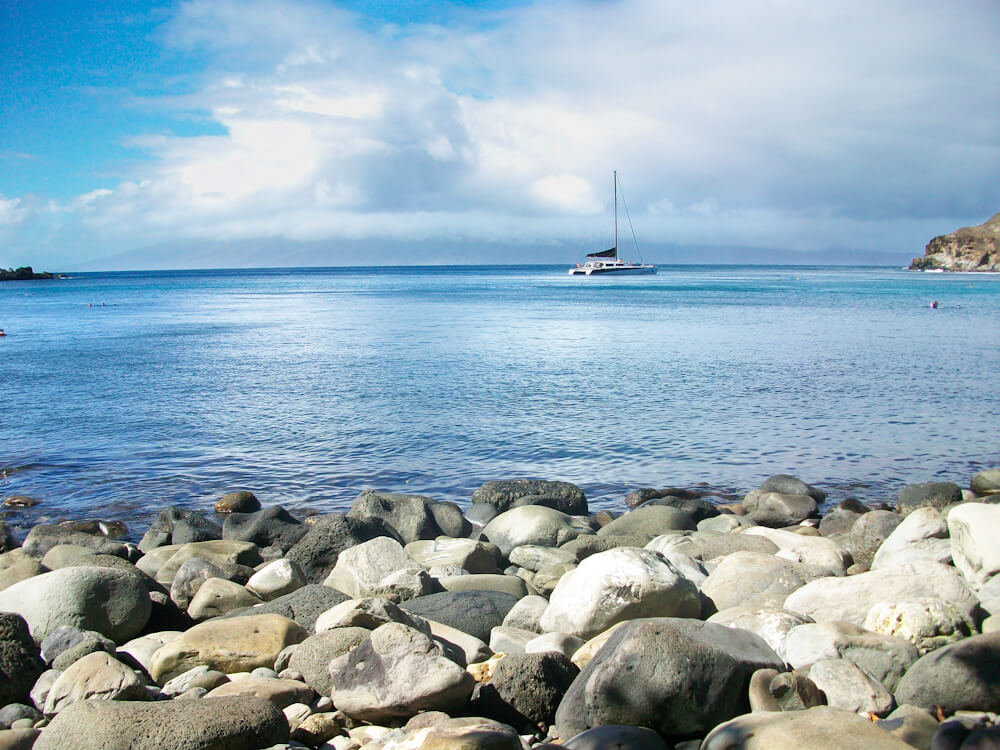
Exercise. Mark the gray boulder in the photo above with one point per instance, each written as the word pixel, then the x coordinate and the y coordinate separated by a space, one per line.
pixel 194 572
pixel 20 663
pixel 527 614
pixel 175 525
pixel 868 533
pixel 312 657
pixel 986 482
pixel 243 723
pixel 65 645
pixel 755 580
pixel 369 614
pixel 885 657
pixel 467 554
pixel 472 612
pixel 303 605
pixel 395 673
pixel 616 736
pixel 593 597
pixel 696 507
pixel 44 537
pixel 316 553
pixel 96 676
pixel 837 523
pixel 789 485
pixel 16 565
pixel 933 494
pixel 818 728
pixel 961 676
pixel 379 567
pixel 777 510
pixel 533 524
pixel 509 493
pixel 649 519
pixel 270 527
pixel 409 515
pixel 217 596
pixel 115 603
pixel 852 597
pixel 679 677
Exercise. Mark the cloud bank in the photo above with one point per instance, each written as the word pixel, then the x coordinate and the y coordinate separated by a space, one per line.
pixel 780 124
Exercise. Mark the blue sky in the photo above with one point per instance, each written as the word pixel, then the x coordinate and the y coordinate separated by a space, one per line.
pixel 864 126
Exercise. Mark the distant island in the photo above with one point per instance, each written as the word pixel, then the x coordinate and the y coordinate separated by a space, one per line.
pixel 967 249
pixel 25 273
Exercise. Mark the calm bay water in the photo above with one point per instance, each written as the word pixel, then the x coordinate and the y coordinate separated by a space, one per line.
pixel 125 392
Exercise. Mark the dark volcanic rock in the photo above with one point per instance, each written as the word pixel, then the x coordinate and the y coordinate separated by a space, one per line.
pixel 409 515
pixel 316 553
pixel 175 525
pixel 24 273
pixel 238 723
pixel 472 612
pixel 679 677
pixel 934 494
pixel 510 493
pixel 266 528
pixel 968 249
pixel 525 689
pixel 20 663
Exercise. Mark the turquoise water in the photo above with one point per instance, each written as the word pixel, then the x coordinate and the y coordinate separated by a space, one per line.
pixel 123 392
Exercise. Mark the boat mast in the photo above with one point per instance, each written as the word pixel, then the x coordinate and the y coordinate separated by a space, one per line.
pixel 615 178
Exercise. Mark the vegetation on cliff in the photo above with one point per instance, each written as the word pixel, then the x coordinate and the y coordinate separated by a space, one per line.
pixel 967 249
pixel 24 273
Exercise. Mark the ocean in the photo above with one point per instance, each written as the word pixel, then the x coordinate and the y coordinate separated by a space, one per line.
pixel 126 392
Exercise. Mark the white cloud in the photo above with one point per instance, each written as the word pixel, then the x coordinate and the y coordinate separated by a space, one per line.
pixel 795 124
pixel 12 212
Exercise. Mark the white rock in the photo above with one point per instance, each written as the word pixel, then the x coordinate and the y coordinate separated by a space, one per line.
pixel 819 553
pixel 379 567
pixel 851 598
pixel 771 625
pixel 974 530
pixel 276 579
pixel 921 534
pixel 564 643
pixel 534 524
pixel 926 623
pixel 691 568
pixel 850 687
pixel 619 584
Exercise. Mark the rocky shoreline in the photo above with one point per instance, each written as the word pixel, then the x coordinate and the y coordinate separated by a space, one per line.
pixel 522 622
pixel 26 273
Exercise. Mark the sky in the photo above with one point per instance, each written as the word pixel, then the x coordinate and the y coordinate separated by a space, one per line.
pixel 139 133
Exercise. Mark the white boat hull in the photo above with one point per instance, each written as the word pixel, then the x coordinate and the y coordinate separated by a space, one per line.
pixel 616 270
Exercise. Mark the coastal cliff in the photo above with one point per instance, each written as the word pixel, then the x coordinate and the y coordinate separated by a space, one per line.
pixel 967 249
pixel 25 273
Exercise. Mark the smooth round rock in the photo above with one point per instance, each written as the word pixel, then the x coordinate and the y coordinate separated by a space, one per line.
pixel 618 737
pixel 243 723
pixel 818 728
pixel 961 676
pixel 240 501
pixel 620 584
pixel 934 494
pixel 868 533
pixel 114 603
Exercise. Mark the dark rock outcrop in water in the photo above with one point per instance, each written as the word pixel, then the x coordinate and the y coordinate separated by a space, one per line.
pixel 25 273
pixel 967 249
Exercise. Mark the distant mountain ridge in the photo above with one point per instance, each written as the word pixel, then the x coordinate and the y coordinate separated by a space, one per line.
pixel 967 249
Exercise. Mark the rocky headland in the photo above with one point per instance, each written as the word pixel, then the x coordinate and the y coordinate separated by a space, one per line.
pixel 689 621
pixel 24 273
pixel 967 249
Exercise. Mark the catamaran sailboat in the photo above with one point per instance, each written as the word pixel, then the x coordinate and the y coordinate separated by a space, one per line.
pixel 607 261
